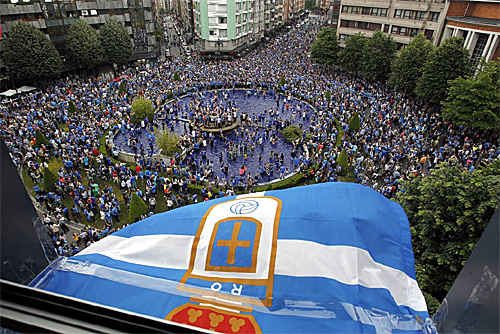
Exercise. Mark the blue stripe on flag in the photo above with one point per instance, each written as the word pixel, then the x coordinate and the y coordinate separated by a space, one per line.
pixel 375 224
pixel 184 220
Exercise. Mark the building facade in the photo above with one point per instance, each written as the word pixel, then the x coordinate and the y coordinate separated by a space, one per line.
pixel 478 22
pixel 53 18
pixel 401 19
pixel 226 26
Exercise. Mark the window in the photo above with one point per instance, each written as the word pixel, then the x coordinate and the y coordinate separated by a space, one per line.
pixel 420 15
pixel 212 32
pixel 222 20
pixel 408 14
pixel 355 10
pixel 223 32
pixel 398 13
pixel 345 9
pixel 366 11
pixel 434 16
pixel 386 28
pixel 428 33
pixel 383 11
pixel 412 31
pixel 478 49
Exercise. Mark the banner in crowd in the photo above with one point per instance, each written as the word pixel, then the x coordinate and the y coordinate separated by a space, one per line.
pixel 325 258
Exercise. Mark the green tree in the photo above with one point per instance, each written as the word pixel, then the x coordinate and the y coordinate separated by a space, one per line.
pixel 354 122
pixel 168 142
pixel 343 161
pixel 29 54
pixel 340 133
pixel 351 57
pixel 475 101
pixel 142 108
pixel 408 66
pixel 291 133
pixel 282 82
pixel 447 62
pixel 49 181
pixel 71 107
pixel 324 50
pixel 328 95
pixel 83 45
pixel 137 208
pixel 40 139
pixel 116 43
pixel 377 58
pixel 176 77
pixel 122 89
pixel 448 210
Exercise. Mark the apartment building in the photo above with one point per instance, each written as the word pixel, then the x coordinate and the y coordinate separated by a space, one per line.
pixel 54 17
pixel 402 19
pixel 225 26
pixel 478 22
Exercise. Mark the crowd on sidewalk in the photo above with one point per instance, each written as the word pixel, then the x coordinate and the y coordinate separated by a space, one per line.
pixel 398 137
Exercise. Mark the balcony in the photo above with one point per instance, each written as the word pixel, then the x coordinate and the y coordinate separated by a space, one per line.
pixel 365 18
pixel 121 18
pixel 114 4
pixel 353 31
pixel 95 19
pixel 86 5
pixel 39 23
pixel 11 9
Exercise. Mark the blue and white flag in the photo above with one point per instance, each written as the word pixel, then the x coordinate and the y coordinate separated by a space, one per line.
pixel 325 258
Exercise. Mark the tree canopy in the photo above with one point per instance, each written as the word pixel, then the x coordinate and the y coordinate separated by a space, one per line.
pixel 351 57
pixel 142 108
pixel 448 210
pixel 49 180
pixel 475 101
pixel 29 54
pixel 291 133
pixel 116 43
pixel 168 142
pixel 447 62
pixel 325 48
pixel 137 208
pixel 83 45
pixel 355 122
pixel 408 66
pixel 377 57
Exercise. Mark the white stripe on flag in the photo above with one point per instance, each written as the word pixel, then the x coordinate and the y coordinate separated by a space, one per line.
pixel 301 258
pixel 164 250
pixel 348 265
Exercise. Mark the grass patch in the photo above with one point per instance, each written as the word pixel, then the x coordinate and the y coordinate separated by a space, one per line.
pixel 298 179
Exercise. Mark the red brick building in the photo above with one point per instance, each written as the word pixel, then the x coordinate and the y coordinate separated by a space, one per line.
pixel 478 22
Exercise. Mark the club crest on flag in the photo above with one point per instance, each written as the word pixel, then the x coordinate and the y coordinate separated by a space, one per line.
pixel 234 251
pixel 234 245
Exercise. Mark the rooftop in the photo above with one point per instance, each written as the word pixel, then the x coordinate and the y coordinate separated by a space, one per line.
pixel 480 21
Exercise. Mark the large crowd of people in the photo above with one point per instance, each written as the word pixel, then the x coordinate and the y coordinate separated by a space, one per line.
pixel 398 137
